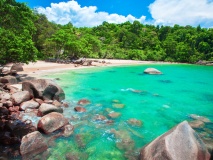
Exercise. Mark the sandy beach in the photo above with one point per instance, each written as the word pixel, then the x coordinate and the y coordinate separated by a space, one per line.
pixel 42 67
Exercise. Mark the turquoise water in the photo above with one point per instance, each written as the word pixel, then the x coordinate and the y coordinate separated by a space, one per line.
pixel 159 101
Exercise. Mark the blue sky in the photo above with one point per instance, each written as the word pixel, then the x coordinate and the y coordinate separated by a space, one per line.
pixel 157 12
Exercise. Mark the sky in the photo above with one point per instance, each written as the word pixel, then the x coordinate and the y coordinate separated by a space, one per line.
pixel 89 13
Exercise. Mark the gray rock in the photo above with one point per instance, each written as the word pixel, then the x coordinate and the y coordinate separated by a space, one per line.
pixel 44 88
pixel 32 144
pixel 8 79
pixel 51 122
pixel 152 71
pixel 180 143
pixel 29 104
pixel 20 97
pixel 48 108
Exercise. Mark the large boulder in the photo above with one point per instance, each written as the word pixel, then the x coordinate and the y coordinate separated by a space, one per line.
pixel 17 67
pixel 48 108
pixel 29 104
pixel 179 143
pixel 32 144
pixel 8 79
pixel 152 71
pixel 51 122
pixel 44 89
pixel 20 97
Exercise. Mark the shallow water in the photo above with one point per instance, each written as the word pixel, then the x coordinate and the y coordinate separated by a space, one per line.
pixel 159 101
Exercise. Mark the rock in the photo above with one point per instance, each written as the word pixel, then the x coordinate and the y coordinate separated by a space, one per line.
pixel 118 105
pixel 114 115
pixel 51 122
pixel 48 108
pixel 48 101
pixel 135 122
pixel 84 102
pixel 29 104
pixel 196 124
pixel 3 111
pixel 20 97
pixel 5 96
pixel 18 87
pixel 80 109
pixel 44 89
pixel 201 118
pixel 17 67
pixel 152 71
pixel 179 143
pixel 57 103
pixel 32 144
pixel 8 79
pixel 68 130
pixel 8 104
pixel 40 101
pixel 100 118
pixel 14 109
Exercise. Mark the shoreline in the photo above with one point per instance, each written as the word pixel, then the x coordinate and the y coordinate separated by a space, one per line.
pixel 39 68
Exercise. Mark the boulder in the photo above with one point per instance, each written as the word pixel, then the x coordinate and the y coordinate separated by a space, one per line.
pixel 8 79
pixel 20 97
pixel 152 71
pixel 29 104
pixel 51 122
pixel 181 142
pixel 44 88
pixel 32 144
pixel 68 130
pixel 48 108
pixel 84 102
pixel 17 67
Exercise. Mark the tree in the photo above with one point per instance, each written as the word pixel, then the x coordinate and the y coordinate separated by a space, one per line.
pixel 16 30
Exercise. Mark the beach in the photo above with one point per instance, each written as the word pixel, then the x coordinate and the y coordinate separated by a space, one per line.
pixel 42 67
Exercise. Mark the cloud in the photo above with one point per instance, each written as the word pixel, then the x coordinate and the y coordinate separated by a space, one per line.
pixel 182 12
pixel 71 11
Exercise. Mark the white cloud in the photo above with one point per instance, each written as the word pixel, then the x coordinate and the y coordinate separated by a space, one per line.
pixel 71 11
pixel 182 12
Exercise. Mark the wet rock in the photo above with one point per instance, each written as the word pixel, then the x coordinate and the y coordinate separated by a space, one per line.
pixel 200 118
pixel 135 122
pixel 20 97
pixel 57 103
pixel 84 102
pixel 80 109
pixel 44 89
pixel 29 104
pixel 51 122
pixel 68 130
pixel 179 143
pixel 118 105
pixel 196 124
pixel 152 71
pixel 100 118
pixel 114 115
pixel 8 79
pixel 32 145
pixel 48 108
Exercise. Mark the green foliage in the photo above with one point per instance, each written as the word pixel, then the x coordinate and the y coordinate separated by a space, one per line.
pixel 16 30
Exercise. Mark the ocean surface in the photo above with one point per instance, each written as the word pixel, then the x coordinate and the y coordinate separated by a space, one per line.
pixel 158 101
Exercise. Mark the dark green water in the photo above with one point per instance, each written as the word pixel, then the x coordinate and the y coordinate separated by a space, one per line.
pixel 162 102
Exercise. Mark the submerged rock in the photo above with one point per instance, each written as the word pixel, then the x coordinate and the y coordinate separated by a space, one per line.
pixel 179 143
pixel 152 71
pixel 68 130
pixel 135 122
pixel 118 105
pixel 84 102
pixel 200 118
pixel 114 115
pixel 32 144
pixel 80 109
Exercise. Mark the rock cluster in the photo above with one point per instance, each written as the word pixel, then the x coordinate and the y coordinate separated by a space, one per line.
pixel 37 98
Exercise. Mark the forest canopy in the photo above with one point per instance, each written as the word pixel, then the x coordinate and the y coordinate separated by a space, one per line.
pixel 26 35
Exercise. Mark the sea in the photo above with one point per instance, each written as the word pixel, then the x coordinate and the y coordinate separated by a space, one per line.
pixel 146 107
